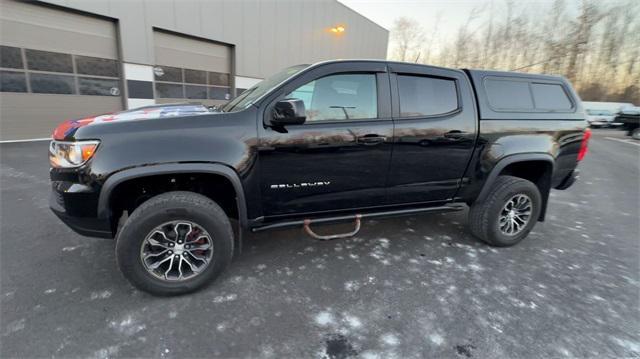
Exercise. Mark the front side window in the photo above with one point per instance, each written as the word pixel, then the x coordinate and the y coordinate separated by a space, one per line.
pixel 339 97
pixel 426 96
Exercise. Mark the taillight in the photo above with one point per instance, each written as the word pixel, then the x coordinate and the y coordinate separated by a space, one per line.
pixel 584 145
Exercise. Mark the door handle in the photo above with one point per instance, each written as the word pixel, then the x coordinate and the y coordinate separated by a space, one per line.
pixel 455 134
pixel 371 140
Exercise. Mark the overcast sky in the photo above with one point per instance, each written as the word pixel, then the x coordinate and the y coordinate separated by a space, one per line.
pixel 454 12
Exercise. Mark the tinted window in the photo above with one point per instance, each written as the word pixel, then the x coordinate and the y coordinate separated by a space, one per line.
pixel 10 57
pixel 550 97
pixel 424 96
pixel 196 91
pixel 166 73
pixel 12 81
pixel 99 87
pixel 46 83
pixel 218 79
pixel 49 61
pixel 219 93
pixel 339 97
pixel 508 94
pixel 96 66
pixel 195 76
pixel 169 91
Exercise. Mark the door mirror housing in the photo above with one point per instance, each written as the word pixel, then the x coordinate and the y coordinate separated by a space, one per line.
pixel 289 111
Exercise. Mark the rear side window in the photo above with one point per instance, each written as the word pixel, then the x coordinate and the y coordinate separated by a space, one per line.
pixel 524 95
pixel 550 97
pixel 508 94
pixel 426 96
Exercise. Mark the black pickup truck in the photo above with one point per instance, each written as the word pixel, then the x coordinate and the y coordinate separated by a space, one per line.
pixel 329 142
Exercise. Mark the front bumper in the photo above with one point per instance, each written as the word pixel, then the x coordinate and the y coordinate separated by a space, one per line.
pixel 75 206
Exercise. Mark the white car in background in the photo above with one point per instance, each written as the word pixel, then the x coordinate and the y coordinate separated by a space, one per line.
pixel 600 118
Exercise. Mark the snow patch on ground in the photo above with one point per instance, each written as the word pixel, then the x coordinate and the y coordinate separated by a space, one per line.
pixel 73 248
pixel 632 346
pixel 225 298
pixel 436 339
pixel 390 339
pixel 100 295
pixel 127 325
pixel 352 321
pixel 15 326
pixel 352 285
pixel 324 319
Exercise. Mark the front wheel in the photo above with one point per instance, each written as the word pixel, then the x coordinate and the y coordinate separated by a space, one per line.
pixel 508 213
pixel 174 243
pixel 635 134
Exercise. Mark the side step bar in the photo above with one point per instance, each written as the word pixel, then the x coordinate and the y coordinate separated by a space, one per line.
pixel 307 222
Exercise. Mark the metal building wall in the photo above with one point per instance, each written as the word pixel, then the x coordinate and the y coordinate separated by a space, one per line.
pixel 267 35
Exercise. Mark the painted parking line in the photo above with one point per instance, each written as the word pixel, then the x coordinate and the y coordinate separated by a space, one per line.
pixel 27 140
pixel 629 141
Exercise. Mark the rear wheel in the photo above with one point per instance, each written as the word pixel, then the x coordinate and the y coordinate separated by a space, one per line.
pixel 174 243
pixel 635 134
pixel 508 213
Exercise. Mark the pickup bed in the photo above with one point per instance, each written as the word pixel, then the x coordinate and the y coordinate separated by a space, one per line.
pixel 334 141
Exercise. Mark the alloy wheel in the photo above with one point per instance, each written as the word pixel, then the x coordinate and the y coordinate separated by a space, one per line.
pixel 515 215
pixel 177 251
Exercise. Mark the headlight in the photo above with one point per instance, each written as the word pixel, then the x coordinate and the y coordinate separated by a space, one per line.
pixel 71 154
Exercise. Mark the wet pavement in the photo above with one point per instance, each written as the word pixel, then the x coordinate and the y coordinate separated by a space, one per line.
pixel 417 286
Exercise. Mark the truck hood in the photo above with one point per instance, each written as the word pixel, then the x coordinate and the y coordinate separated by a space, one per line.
pixel 68 128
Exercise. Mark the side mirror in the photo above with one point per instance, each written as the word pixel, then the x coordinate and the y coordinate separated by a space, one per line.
pixel 289 111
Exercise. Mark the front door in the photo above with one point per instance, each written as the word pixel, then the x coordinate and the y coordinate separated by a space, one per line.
pixel 339 158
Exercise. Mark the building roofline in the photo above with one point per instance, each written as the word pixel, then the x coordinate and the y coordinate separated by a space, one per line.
pixel 363 16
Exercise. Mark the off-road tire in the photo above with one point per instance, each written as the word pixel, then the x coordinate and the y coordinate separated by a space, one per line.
pixel 484 215
pixel 164 208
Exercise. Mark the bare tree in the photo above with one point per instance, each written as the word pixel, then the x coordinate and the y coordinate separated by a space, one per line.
pixel 580 35
pixel 598 49
pixel 408 36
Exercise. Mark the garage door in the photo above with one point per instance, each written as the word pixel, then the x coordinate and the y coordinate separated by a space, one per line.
pixel 191 70
pixel 55 65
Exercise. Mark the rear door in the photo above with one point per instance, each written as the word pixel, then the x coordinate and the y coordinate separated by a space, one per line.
pixel 435 129
pixel 339 158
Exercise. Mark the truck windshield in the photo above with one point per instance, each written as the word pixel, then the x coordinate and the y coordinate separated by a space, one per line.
pixel 249 96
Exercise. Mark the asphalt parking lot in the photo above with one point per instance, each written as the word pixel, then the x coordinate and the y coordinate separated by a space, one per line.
pixel 406 287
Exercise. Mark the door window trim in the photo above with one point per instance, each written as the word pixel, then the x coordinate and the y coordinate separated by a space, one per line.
pixel 530 81
pixel 379 69
pixel 396 84
pixel 458 76
pixel 339 121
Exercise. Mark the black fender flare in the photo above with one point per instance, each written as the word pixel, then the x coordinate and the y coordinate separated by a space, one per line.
pixel 170 168
pixel 510 159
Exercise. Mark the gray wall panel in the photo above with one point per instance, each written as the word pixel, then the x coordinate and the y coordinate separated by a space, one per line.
pixel 37 27
pixel 268 35
pixel 36 115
